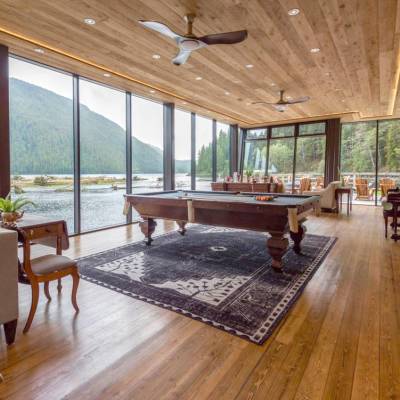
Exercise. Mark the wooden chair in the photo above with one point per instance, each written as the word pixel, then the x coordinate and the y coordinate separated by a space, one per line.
pixel 392 194
pixel 319 183
pixel 305 185
pixel 45 269
pixel 362 189
pixel 386 184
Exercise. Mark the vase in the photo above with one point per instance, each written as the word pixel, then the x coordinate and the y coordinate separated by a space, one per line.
pixel 11 217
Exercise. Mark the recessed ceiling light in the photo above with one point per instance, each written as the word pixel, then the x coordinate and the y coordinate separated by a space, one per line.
pixel 227 93
pixel 248 104
pixel 315 50
pixel 343 100
pixel 289 97
pixel 152 91
pixel 198 78
pixel 107 75
pixel 89 21
pixel 293 12
pixel 249 66
pixel 40 51
pixel 156 56
pixel 184 102
pixel 272 84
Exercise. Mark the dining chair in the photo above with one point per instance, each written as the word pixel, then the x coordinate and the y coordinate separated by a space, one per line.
pixel 47 268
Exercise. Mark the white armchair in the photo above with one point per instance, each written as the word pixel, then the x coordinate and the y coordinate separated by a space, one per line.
pixel 327 195
pixel 8 283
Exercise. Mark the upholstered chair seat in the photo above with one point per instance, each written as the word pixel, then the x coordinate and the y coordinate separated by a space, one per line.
pixel 51 263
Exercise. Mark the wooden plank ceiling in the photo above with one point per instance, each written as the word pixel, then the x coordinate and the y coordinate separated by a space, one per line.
pixel 355 75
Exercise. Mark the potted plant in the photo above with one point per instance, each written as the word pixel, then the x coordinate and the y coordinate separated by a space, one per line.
pixel 248 174
pixel 11 209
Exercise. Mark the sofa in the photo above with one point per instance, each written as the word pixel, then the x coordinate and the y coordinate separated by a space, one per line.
pixel 8 283
pixel 327 195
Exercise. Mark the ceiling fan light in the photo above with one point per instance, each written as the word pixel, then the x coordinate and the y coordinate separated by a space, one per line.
pixel 189 44
pixel 293 12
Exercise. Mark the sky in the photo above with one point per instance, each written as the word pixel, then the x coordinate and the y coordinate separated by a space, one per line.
pixel 147 116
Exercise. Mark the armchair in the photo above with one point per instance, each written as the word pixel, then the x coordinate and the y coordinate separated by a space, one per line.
pixel 9 283
pixel 327 195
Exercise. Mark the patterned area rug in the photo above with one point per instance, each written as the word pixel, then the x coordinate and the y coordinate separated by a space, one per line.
pixel 216 275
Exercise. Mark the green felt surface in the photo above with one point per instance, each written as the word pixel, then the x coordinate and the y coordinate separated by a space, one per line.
pixel 289 200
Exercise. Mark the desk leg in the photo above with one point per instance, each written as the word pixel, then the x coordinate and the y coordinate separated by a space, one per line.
pixel 277 245
pixel 10 329
pixel 148 226
pixel 298 237
pixel 182 229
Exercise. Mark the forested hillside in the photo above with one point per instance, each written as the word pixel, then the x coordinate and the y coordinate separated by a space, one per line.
pixel 42 142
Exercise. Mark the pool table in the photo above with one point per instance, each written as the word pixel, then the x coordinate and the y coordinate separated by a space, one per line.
pixel 284 214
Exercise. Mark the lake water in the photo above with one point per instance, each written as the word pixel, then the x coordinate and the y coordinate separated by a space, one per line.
pixel 101 206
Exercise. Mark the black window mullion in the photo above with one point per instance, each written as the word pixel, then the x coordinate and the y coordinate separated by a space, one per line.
pixel 77 154
pixel 128 110
pixel 214 150
pixel 193 150
pixel 296 135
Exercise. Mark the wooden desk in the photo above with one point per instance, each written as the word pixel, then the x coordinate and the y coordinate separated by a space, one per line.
pixel 339 195
pixel 39 230
pixel 396 206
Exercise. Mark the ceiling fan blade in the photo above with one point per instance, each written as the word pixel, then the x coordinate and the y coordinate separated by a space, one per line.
pixel 299 100
pixel 263 102
pixel 224 38
pixel 182 57
pixel 160 28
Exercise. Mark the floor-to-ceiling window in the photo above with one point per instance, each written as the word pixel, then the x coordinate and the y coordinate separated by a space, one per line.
pixel 281 154
pixel 388 156
pixel 290 151
pixel 204 152
pixel 182 149
pixel 223 151
pixel 358 159
pixel 103 155
pixel 41 129
pixel 255 153
pixel 310 155
pixel 147 145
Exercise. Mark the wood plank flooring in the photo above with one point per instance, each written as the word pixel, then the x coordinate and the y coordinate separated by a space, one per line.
pixel 340 341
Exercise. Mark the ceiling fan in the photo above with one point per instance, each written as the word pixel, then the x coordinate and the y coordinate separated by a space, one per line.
pixel 281 105
pixel 189 42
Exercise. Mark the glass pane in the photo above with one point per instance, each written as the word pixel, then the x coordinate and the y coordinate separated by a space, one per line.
pixel 257 133
pixel 203 153
pixel 310 163
pixel 103 155
pixel 280 131
pixel 41 129
pixel 255 157
pixel 147 146
pixel 182 149
pixel 223 148
pixel 312 129
pixel 358 157
pixel 388 156
pixel 280 165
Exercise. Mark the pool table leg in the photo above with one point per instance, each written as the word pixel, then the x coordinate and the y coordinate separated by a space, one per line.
pixel 297 237
pixel 182 229
pixel 277 245
pixel 147 226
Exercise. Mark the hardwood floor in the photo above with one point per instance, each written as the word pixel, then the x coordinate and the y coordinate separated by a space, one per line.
pixel 340 341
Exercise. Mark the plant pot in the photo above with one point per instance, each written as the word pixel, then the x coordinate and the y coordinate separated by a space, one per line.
pixel 11 217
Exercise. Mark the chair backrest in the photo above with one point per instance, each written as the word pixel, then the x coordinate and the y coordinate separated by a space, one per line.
pixel 305 184
pixel 319 181
pixel 361 186
pixel 387 184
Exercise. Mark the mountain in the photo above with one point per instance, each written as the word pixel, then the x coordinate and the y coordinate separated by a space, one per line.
pixel 42 142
